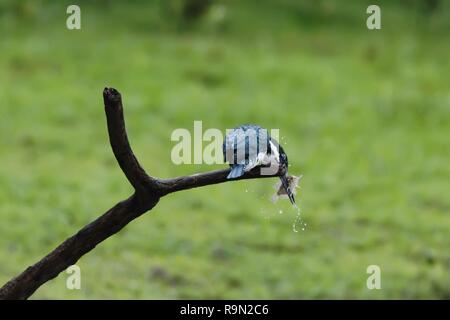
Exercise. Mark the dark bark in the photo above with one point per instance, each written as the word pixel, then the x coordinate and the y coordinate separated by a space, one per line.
pixel 148 191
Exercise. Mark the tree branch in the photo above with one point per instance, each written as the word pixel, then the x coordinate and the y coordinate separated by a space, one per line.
pixel 148 191
pixel 207 178
pixel 118 139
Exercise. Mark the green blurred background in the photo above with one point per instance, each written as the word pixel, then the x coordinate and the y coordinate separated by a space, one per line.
pixel 365 117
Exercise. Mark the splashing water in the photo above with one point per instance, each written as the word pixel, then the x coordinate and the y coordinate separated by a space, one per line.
pixel 281 193
pixel 299 223
pixel 298 220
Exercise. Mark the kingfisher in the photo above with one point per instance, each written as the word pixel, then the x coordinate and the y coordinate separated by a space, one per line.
pixel 248 146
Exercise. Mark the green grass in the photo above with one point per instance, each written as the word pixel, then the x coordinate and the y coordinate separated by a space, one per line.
pixel 365 116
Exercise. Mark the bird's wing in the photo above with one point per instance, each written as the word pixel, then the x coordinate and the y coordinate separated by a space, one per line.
pixel 242 145
pixel 258 149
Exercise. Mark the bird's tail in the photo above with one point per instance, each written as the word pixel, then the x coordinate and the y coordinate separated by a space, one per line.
pixel 236 171
pixel 285 184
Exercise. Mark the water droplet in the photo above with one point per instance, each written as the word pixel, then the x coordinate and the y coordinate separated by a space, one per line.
pixel 298 220
pixel 280 212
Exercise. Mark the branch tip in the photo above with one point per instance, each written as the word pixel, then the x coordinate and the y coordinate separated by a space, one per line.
pixel 111 94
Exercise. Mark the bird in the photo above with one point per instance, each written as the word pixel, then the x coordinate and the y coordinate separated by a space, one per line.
pixel 248 146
